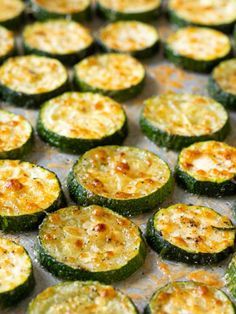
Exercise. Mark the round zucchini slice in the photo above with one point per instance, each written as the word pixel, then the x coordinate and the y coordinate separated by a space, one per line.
pixel 16 273
pixel 137 38
pixel 30 80
pixel 178 120
pixel 191 234
pixel 231 276
pixel 128 180
pixel 189 297
pixel 119 76
pixel 27 192
pixel 81 297
pixel 218 14
pixel 77 122
pixel 16 135
pixel 64 40
pixel 90 243
pixel 12 13
pixel 78 10
pixel 7 43
pixel 222 83
pixel 208 168
pixel 140 10
pixel 197 48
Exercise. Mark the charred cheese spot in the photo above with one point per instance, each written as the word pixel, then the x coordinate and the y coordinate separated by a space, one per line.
pixel 209 161
pixel 110 71
pixel 127 6
pixel 194 228
pixel 10 9
pixel 128 36
pixel 63 6
pixel 90 116
pixel 121 172
pixel 26 188
pixel 6 41
pixel 185 114
pixel 107 244
pixel 32 74
pixel 225 76
pixel 15 265
pixel 199 43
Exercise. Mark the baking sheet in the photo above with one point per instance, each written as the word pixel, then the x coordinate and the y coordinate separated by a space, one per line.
pixel 161 77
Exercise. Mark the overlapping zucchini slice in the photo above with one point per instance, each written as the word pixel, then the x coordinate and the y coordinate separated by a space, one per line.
pixel 191 234
pixel 27 192
pixel 77 122
pixel 78 10
pixel 218 14
pixel 208 168
pixel 231 276
pixel 16 273
pixel 137 38
pixel 30 80
pixel 81 297
pixel 64 40
pixel 7 43
pixel 90 243
pixel 141 10
pixel 119 76
pixel 128 180
pixel 16 135
pixel 12 12
pixel 178 120
pixel 197 48
pixel 189 297
pixel 222 83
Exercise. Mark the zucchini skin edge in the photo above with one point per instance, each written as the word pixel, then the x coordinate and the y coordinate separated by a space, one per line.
pixel 231 277
pixel 14 23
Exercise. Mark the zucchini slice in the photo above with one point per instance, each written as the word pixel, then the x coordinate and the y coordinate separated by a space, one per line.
pixel 128 180
pixel 197 48
pixel 16 273
pixel 30 80
pixel 64 40
pixel 189 297
pixel 12 13
pixel 222 83
pixel 78 10
pixel 208 168
pixel 139 39
pixel 119 76
pixel 231 276
pixel 90 243
pixel 16 135
pixel 140 10
pixel 178 120
pixel 7 43
pixel 77 122
pixel 191 234
pixel 81 297
pixel 218 14
pixel 27 192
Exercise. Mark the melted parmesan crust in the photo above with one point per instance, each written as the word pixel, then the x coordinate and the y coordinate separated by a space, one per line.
pixel 225 75
pixel 121 172
pixel 185 114
pixel 83 115
pixel 15 265
pixel 189 297
pixel 209 161
pixel 110 71
pixel 10 9
pixel 15 131
pixel 6 41
pixel 128 36
pixel 81 297
pixel 32 74
pixel 26 188
pixel 194 228
pixel 205 12
pixel 199 43
pixel 63 6
pixel 57 36
pixel 127 6
pixel 92 238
